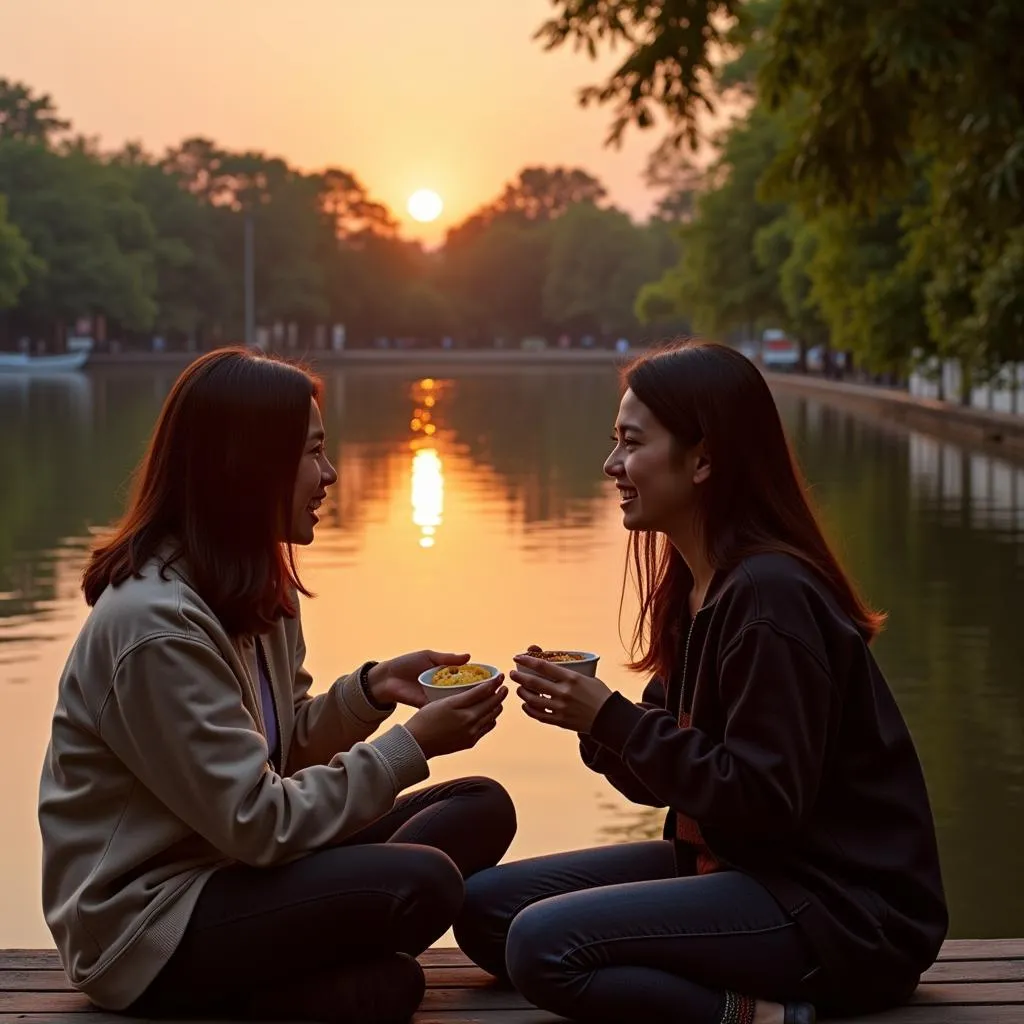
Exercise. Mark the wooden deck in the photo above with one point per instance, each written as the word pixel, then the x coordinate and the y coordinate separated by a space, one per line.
pixel 974 982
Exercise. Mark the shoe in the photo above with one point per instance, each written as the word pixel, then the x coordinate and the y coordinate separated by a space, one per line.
pixel 385 990
pixel 799 1013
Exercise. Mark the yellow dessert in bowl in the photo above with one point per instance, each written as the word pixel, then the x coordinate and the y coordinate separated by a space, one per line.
pixel 460 675
pixel 444 680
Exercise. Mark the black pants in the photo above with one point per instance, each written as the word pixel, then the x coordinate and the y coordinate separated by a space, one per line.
pixel 614 935
pixel 395 886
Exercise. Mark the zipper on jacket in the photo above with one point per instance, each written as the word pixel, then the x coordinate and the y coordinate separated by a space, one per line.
pixel 686 658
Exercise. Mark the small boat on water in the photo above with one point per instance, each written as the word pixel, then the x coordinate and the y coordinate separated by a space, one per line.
pixel 23 362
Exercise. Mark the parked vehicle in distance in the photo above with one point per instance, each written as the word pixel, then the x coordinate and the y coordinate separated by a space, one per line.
pixel 779 352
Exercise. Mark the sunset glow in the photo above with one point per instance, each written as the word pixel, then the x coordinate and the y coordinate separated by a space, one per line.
pixel 454 108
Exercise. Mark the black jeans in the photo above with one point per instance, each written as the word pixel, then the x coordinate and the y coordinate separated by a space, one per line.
pixel 395 886
pixel 613 934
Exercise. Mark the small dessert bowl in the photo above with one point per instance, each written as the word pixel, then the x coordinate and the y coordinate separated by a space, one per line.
pixel 584 662
pixel 446 680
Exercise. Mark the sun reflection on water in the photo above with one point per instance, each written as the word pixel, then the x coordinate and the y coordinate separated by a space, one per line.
pixel 427 493
pixel 427 469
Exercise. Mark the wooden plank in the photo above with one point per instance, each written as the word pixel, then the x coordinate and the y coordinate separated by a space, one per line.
pixel 933 1015
pixel 982 949
pixel 974 982
pixel 947 971
pixel 972 993
pixel 29 959
pixel 47 959
pixel 448 956
pixel 952 949
pixel 34 981
pixel 43 1002
pixel 99 1017
pixel 530 1016
pixel 509 1017
pixel 491 1001
pixel 437 977
pixel 903 1015
pixel 472 977
pixel 974 970
pixel 471 1000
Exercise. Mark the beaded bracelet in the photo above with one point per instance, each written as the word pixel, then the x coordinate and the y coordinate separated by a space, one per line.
pixel 738 1009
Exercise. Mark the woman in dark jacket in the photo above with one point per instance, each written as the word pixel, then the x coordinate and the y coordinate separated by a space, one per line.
pixel 799 867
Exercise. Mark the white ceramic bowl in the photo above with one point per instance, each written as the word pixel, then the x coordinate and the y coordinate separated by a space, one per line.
pixel 439 692
pixel 587 666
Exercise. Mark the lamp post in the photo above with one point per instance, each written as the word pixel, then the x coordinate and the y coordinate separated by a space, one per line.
pixel 250 284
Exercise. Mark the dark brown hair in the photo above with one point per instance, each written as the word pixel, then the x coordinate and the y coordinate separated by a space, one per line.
pixel 755 500
pixel 216 483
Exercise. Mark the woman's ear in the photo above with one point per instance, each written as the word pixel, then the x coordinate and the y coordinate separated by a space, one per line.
pixel 702 463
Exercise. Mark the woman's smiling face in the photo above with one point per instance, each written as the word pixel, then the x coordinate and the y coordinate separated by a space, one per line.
pixel 656 480
pixel 314 476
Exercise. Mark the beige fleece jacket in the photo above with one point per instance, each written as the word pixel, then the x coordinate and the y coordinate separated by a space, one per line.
pixel 157 773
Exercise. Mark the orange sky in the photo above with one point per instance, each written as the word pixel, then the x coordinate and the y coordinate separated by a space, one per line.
pixel 451 95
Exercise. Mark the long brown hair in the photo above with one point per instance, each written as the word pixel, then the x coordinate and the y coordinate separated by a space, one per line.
pixel 755 500
pixel 216 484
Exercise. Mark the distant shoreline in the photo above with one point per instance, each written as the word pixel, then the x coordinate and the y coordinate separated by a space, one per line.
pixel 995 432
pixel 407 357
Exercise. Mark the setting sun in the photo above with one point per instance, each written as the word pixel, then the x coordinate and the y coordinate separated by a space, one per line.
pixel 425 205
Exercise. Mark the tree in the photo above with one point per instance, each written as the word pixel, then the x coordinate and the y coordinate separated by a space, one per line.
pixel 540 194
pixel 537 195
pixel 868 291
pixel 494 264
pixel 926 90
pixel 16 259
pixel 788 245
pixel 93 240
pixel 193 284
pixel 598 261
pixel 495 274
pixel 27 117
pixel 668 65
pixel 719 281
pixel 878 98
pixel 343 199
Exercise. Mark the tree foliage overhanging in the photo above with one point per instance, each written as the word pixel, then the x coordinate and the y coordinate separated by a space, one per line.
pixel 870 191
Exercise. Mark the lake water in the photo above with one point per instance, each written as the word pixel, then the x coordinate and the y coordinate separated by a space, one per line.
pixel 471 513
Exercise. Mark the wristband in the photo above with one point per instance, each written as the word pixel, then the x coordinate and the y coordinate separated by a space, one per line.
pixel 364 684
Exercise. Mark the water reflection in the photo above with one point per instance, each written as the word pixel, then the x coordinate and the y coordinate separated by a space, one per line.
pixel 503 471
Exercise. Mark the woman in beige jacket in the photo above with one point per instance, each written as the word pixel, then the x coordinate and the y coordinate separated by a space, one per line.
pixel 216 841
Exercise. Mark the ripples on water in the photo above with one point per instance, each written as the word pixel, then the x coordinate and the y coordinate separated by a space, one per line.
pixel 471 512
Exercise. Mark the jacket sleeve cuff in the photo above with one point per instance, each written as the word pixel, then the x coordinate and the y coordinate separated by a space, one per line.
pixel 354 701
pixel 402 755
pixel 615 722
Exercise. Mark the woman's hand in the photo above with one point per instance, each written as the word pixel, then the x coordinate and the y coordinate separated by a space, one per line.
pixel 457 722
pixel 396 681
pixel 556 695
